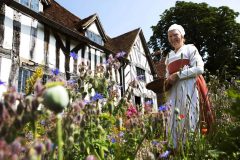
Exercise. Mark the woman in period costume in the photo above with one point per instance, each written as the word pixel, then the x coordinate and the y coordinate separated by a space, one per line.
pixel 187 96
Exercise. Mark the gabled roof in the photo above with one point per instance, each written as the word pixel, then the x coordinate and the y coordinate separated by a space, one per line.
pixel 126 41
pixel 86 22
pixel 123 42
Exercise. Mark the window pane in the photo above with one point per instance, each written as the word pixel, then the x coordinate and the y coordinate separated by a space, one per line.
pixel 35 5
pixel 25 2
pixel 141 74
pixel 94 37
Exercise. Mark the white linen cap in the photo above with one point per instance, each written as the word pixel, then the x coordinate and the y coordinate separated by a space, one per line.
pixel 177 27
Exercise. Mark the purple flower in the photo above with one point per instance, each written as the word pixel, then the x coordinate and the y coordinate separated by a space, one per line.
pixel 150 102
pixel 55 71
pixel 121 134
pixel 155 143
pixel 120 54
pixel 165 154
pixel 162 108
pixel 2 83
pixel 74 55
pixel 113 140
pixel 91 157
pixel 86 102
pixel 71 81
pixel 106 62
pixel 97 96
pixel 141 77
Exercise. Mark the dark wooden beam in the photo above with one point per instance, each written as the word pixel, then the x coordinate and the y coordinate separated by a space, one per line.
pixel 41 18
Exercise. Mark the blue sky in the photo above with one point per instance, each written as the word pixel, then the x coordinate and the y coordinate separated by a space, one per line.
pixel 120 16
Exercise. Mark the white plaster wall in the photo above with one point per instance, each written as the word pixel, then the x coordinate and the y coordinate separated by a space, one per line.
pixel 24 37
pixel 93 28
pixel 52 52
pixel 62 62
pixel 8 30
pixel 62 57
pixel 5 69
pixel 92 59
pixel 39 48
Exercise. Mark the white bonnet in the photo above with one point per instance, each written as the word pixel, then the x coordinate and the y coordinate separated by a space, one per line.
pixel 177 27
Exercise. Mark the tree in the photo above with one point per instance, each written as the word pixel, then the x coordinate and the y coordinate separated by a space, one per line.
pixel 214 31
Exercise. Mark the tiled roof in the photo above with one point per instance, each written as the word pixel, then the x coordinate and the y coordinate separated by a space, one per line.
pixel 61 15
pixel 123 42
pixel 86 21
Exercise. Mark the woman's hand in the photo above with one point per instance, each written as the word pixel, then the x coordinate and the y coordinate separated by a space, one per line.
pixel 172 79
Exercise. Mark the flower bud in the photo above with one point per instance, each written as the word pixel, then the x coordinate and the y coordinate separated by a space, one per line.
pixel 56 98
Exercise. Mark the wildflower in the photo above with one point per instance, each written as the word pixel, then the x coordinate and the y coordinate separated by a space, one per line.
pixel 39 147
pixel 165 154
pixel 74 55
pixel 113 140
pixel 155 143
pixel 204 131
pixel 141 77
pixel 182 116
pixel 117 65
pixel 91 157
pixel 121 134
pixel 120 54
pixel 55 71
pixel 150 102
pixel 71 81
pixel 49 145
pixel 131 111
pixel 162 108
pixel 43 122
pixel 86 102
pixel 97 96
pixel 176 110
pixel 2 83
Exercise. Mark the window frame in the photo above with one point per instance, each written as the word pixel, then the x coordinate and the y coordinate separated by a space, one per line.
pixel 140 72
pixel 30 4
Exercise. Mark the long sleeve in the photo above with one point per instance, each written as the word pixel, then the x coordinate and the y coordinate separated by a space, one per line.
pixel 196 66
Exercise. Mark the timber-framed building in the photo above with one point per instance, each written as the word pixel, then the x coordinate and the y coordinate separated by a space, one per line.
pixel 34 32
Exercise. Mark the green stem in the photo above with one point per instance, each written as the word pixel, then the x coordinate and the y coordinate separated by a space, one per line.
pixel 34 126
pixel 59 136
pixel 140 144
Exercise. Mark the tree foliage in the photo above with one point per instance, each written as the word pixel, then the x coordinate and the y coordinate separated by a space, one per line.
pixel 214 31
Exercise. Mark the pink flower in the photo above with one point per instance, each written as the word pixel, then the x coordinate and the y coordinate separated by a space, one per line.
pixel 131 111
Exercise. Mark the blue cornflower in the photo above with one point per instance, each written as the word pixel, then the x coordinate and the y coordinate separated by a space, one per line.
pixel 55 71
pixel 97 96
pixel 165 154
pixel 113 140
pixel 162 108
pixel 2 83
pixel 74 55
